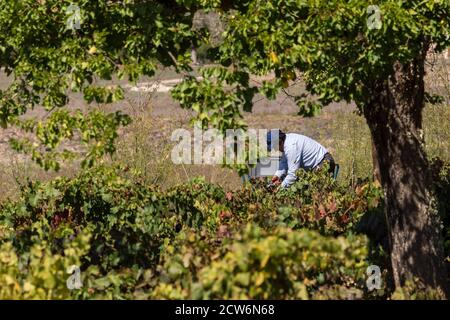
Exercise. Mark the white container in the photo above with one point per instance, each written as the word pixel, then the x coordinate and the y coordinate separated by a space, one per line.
pixel 266 167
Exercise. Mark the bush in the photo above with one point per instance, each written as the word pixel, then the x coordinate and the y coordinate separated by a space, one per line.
pixel 39 274
pixel 191 241
pixel 281 264
pixel 315 202
pixel 127 220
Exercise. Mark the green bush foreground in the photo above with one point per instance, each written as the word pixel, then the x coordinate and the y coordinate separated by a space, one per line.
pixel 196 241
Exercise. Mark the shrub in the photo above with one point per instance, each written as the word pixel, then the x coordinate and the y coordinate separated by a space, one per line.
pixel 281 264
pixel 126 219
pixel 191 241
pixel 315 201
pixel 39 274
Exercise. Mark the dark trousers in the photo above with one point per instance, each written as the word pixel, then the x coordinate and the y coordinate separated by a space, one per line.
pixel 327 158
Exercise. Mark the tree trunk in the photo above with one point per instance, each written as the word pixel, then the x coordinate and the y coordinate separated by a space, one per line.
pixel 394 116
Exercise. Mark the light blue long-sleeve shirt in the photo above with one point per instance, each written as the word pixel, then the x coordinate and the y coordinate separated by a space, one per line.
pixel 299 152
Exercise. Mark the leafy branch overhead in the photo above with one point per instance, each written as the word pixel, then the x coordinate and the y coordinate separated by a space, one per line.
pixel 328 43
pixel 46 61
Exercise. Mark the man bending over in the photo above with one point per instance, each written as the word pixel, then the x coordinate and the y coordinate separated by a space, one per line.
pixel 298 151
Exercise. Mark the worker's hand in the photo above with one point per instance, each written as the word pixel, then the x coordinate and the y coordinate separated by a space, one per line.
pixel 276 181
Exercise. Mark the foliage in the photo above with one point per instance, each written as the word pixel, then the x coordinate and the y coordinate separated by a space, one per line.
pixel 144 242
pixel 97 130
pixel 39 274
pixel 46 60
pixel 314 201
pixel 281 264
pixel 330 44
pixel 414 290
pixel 344 51
pixel 192 241
pixel 102 200
pixel 337 54
pixel 327 42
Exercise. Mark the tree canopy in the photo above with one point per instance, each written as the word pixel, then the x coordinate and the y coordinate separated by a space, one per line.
pixel 329 43
pixel 47 60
